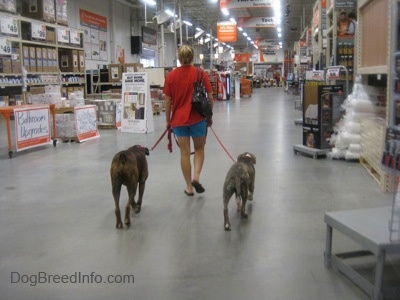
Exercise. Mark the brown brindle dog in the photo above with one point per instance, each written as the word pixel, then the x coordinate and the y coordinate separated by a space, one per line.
pixel 129 168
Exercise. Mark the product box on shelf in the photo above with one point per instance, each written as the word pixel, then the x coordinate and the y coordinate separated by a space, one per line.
pixel 61 12
pixel 6 64
pixel 50 36
pixel 65 58
pixel 39 60
pixel 115 72
pixel 3 101
pixel 25 58
pixel 8 5
pixel 15 60
pixel 81 60
pixel 54 67
pixel 43 10
pixel 45 60
pixel 75 61
pixel 132 67
pixel 32 59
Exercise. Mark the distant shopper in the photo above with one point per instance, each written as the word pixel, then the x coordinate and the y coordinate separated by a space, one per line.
pixel 185 122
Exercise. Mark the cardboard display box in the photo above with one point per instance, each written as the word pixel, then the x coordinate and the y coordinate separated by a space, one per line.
pixel 39 60
pixel 15 60
pixel 81 61
pixel 43 10
pixel 61 12
pixel 32 59
pixel 8 5
pixel 75 61
pixel 132 67
pixel 25 58
pixel 114 72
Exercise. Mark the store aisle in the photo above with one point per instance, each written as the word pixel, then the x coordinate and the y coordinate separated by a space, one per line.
pixel 57 217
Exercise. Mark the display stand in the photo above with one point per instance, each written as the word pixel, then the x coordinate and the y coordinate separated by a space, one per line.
pixel 321 111
pixel 8 110
pixel 137 115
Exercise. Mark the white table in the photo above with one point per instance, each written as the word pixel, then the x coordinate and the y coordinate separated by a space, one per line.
pixel 370 229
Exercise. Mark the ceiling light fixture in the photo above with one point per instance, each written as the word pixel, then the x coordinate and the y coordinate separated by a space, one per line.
pixel 225 11
pixel 187 23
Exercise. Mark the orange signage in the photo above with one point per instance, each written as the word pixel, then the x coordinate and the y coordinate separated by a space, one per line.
pixel 92 19
pixel 226 32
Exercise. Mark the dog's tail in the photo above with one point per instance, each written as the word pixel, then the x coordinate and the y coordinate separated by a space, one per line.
pixel 122 158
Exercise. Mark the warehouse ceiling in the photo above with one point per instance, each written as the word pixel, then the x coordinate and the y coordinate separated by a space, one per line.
pixel 296 15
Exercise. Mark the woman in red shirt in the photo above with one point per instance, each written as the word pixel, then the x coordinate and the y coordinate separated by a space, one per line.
pixel 186 122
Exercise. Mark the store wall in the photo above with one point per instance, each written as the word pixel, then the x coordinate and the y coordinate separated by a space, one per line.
pixel 120 28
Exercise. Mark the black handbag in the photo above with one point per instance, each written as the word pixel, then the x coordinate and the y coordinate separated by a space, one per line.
pixel 199 97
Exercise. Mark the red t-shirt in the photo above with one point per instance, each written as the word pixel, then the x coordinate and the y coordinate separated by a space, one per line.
pixel 179 86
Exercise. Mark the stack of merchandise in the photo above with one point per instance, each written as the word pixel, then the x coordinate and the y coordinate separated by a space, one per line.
pixel 365 101
pixel 50 94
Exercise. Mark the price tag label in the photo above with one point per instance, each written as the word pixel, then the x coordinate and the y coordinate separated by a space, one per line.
pixel 38 31
pixel 5 46
pixel 9 26
pixel 75 37
pixel 333 73
pixel 63 35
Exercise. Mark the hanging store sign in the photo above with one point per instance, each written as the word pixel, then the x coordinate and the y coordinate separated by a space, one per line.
pixel 256 22
pixel 339 4
pixel 32 127
pixel 234 4
pixel 226 32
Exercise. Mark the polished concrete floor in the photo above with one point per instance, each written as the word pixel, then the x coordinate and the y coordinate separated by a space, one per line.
pixel 57 216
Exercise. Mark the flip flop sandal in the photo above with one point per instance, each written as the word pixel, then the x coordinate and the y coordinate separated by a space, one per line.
pixel 198 187
pixel 188 194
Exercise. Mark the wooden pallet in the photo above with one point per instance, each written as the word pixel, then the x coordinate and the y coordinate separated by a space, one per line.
pixel 384 179
pixel 106 126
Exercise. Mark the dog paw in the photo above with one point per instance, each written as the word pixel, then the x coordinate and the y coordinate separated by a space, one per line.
pixel 137 209
pixel 250 197
pixel 227 227
pixel 119 225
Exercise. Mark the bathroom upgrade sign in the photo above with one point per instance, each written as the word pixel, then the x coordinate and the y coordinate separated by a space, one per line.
pixel 32 126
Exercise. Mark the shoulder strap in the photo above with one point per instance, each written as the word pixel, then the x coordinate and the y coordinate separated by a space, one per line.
pixel 200 75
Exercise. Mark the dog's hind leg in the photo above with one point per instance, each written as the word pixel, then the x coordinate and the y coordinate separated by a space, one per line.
pixel 131 202
pixel 244 196
pixel 226 197
pixel 116 191
pixel 142 186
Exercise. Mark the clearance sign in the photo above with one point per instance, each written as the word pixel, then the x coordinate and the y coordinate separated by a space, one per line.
pixel 226 32
pixel 232 4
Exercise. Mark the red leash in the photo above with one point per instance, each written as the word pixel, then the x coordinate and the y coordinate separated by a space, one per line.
pixel 222 145
pixel 161 137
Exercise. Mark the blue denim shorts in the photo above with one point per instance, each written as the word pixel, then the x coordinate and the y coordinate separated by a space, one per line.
pixel 196 130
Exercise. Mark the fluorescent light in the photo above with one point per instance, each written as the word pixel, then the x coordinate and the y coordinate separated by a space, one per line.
pixel 207 40
pixel 225 11
pixel 240 28
pixel 187 23
pixel 150 2
pixel 279 35
pixel 201 56
pixel 232 20
pixel 215 45
pixel 279 29
pixel 244 33
pixel 169 12
pixel 249 38
pixel 198 29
